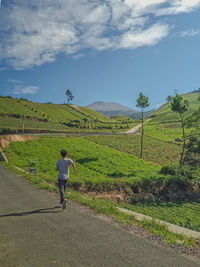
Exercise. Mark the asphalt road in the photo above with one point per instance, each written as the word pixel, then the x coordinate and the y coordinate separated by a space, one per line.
pixel 34 231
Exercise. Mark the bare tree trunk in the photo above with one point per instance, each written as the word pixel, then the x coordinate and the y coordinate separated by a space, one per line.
pixel 142 134
pixel 184 143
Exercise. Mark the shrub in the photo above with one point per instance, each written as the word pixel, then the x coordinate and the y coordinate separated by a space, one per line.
pixel 8 131
pixel 171 169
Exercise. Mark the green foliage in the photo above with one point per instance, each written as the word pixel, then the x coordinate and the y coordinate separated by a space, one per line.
pixel 172 169
pixel 191 158
pixel 142 101
pixel 192 155
pixel 193 121
pixel 69 95
pixel 178 104
pixel 168 98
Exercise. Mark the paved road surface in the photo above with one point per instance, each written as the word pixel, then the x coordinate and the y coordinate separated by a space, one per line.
pixel 35 232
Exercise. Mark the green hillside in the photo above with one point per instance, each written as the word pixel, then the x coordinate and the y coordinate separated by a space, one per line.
pixel 164 113
pixel 54 118
pixel 165 124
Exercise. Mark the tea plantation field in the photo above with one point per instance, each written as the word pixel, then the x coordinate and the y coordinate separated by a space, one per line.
pixel 165 115
pixel 101 168
pixel 156 151
pixel 185 214
pixel 107 163
pixel 38 117
pixel 95 163
pixel 165 125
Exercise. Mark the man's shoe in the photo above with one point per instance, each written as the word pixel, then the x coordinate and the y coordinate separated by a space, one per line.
pixel 64 205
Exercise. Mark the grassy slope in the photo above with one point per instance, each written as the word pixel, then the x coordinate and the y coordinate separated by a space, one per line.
pixel 166 125
pixel 156 151
pixel 91 166
pixel 100 167
pixel 15 112
pixel 93 161
pixel 182 214
pixel 164 113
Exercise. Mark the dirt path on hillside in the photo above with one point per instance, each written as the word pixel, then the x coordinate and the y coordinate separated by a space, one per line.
pixel 136 129
pixel 35 231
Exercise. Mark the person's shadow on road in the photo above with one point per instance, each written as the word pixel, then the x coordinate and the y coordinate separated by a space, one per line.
pixel 39 211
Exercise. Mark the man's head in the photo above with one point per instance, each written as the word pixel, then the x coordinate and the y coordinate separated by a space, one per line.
pixel 63 153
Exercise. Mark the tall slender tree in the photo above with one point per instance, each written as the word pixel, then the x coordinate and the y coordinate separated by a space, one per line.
pixel 142 102
pixel 179 105
pixel 192 148
pixel 69 95
pixel 168 98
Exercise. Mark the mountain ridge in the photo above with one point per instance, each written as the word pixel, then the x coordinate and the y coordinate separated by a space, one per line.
pixel 113 108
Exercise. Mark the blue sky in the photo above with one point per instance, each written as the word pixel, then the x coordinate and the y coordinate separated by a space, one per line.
pixel 102 50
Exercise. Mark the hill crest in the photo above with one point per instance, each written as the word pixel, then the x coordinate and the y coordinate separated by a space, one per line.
pixel 112 109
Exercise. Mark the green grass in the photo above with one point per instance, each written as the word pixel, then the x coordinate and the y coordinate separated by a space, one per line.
pixel 101 169
pixel 165 114
pixel 53 117
pixel 95 163
pixel 15 124
pixel 165 131
pixel 166 123
pixel 183 214
pixel 154 150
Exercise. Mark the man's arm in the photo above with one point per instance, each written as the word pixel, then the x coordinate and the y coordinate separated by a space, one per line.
pixel 74 167
pixel 57 166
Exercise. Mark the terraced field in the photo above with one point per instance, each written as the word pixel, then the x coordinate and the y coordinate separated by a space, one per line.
pixel 166 125
pixel 104 169
pixel 14 113
pixel 94 162
pixel 156 151
pixel 107 163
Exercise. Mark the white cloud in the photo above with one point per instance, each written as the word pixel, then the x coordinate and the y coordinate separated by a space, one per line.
pixel 20 88
pixel 34 32
pixel 189 33
pixel 25 90
pixel 180 6
pixel 150 36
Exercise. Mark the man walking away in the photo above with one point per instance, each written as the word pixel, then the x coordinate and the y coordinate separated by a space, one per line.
pixel 62 166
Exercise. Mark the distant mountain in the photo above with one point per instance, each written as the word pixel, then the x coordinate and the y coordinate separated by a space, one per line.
pixel 112 109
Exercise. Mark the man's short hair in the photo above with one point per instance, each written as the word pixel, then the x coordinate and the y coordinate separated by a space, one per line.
pixel 63 153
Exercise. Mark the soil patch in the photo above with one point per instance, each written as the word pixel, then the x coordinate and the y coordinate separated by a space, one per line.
pixel 75 107
pixel 6 140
